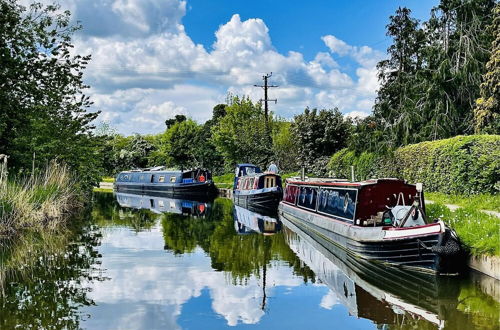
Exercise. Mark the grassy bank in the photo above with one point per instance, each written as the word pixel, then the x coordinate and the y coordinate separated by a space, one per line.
pixel 480 232
pixel 480 202
pixel 39 202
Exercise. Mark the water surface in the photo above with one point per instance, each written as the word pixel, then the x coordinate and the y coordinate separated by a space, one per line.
pixel 149 262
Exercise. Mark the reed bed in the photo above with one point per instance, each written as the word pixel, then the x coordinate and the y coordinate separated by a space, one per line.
pixel 39 202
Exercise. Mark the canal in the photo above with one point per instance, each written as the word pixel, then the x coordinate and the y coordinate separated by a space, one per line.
pixel 157 263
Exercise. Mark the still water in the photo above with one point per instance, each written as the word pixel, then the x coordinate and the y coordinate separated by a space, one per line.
pixel 147 262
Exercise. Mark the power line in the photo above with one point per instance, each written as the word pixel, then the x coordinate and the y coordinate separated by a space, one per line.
pixel 266 86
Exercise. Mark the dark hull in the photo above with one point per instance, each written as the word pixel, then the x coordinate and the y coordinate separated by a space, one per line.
pixel 422 253
pixel 196 189
pixel 266 202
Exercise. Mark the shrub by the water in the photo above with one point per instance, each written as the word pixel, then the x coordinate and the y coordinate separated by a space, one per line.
pixel 463 164
pixel 39 202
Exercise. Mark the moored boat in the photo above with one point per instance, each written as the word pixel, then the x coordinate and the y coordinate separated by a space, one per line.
pixel 164 203
pixel 255 190
pixel 379 220
pixel 197 182
pixel 247 221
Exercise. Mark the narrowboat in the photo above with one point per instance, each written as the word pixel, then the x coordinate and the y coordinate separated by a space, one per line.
pixel 247 222
pixel 255 190
pixel 161 203
pixel 380 220
pixel 197 182
pixel 385 295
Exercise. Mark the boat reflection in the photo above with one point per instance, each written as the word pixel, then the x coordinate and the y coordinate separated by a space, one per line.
pixel 248 221
pixel 162 203
pixel 385 295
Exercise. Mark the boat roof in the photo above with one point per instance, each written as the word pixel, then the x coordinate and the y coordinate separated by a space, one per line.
pixel 246 165
pixel 259 174
pixel 340 182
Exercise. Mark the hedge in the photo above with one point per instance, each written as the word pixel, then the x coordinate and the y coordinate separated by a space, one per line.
pixel 462 164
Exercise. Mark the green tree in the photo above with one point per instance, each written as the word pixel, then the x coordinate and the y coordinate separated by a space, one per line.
pixel 241 135
pixel 318 136
pixel 487 110
pixel 205 150
pixel 177 119
pixel 178 144
pixel 285 148
pixel 43 109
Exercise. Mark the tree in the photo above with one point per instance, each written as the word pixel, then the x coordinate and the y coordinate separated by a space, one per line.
pixel 43 108
pixel 285 148
pixel 241 135
pixel 487 110
pixel 176 119
pixel 395 103
pixel 318 136
pixel 178 144
pixel 205 150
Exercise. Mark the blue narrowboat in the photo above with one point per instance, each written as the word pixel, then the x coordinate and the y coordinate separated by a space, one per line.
pixel 247 222
pixel 161 203
pixel 197 182
pixel 256 190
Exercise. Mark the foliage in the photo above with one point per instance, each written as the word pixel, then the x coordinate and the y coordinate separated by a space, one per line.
pixel 285 148
pixel 318 136
pixel 178 147
pixel 480 232
pixel 487 110
pixel 43 114
pixel 172 121
pixel 430 81
pixel 241 135
pixel 460 165
pixel 40 202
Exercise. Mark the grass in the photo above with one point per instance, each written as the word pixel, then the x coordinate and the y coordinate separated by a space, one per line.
pixel 108 179
pixel 480 202
pixel 103 190
pixel 480 232
pixel 40 202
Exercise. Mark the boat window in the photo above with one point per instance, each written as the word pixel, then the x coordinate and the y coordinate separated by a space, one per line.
pixel 161 178
pixel 125 177
pixel 152 178
pixel 291 193
pixel 172 179
pixel 307 197
pixel 270 182
pixel 338 202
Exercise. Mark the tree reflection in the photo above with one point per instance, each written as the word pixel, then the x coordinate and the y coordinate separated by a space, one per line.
pixel 242 256
pixel 42 278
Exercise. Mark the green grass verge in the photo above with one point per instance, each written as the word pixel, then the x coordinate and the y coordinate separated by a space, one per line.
pixel 104 190
pixel 480 232
pixel 480 202
pixel 108 179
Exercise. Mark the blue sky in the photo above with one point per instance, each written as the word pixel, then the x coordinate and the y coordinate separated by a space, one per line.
pixel 153 59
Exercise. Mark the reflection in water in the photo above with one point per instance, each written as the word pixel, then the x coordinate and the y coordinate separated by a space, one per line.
pixel 247 221
pixel 386 295
pixel 186 269
pixel 41 279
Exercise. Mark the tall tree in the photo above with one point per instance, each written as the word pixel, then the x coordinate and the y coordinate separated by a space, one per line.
pixel 318 136
pixel 487 111
pixel 241 135
pixel 43 108
pixel 395 103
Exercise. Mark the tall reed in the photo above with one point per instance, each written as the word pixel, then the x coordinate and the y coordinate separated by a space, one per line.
pixel 41 201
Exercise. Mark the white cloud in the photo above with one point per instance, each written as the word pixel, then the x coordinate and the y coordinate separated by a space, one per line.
pixel 336 45
pixel 145 67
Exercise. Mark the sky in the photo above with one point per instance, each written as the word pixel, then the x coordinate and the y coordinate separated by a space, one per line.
pixel 153 59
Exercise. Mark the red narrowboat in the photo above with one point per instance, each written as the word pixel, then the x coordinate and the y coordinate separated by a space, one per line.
pixel 381 220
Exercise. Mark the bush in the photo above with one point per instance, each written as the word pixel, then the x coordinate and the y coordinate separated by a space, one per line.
pixel 463 164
